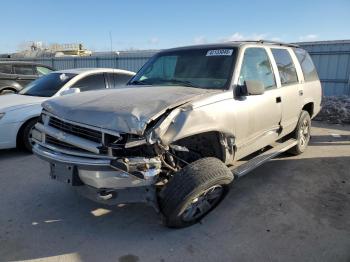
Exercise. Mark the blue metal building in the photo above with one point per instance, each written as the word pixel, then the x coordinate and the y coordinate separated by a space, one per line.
pixel 332 60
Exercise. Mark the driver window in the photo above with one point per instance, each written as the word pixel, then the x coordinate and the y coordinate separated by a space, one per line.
pixel 256 66
pixel 91 82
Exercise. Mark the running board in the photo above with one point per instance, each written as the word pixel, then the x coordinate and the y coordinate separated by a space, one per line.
pixel 245 168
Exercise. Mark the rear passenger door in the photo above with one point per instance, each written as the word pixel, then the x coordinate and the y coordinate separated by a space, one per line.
pixel 291 87
pixel 24 74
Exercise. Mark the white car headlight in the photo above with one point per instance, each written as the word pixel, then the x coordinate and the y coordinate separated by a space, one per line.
pixel 2 115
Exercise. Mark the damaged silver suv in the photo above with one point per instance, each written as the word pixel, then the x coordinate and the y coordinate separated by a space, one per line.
pixel 175 136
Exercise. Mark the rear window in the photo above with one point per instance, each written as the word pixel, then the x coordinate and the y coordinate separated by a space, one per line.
pixel 5 69
pixel 286 67
pixel 307 66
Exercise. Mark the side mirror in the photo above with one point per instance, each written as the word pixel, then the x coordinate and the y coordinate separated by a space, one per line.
pixel 70 91
pixel 254 87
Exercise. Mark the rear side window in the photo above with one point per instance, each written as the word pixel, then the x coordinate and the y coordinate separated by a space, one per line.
pixel 256 66
pixel 307 66
pixel 286 67
pixel 24 70
pixel 5 69
pixel 91 82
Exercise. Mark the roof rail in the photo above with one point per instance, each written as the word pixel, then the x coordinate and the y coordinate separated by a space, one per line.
pixel 262 41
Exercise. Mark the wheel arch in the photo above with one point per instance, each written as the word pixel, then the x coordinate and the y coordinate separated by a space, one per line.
pixel 210 144
pixel 21 129
pixel 309 107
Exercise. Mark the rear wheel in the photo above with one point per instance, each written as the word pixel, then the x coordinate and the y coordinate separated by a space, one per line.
pixel 25 136
pixel 7 91
pixel 302 133
pixel 194 191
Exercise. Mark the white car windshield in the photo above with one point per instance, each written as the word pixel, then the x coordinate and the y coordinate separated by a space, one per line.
pixel 48 85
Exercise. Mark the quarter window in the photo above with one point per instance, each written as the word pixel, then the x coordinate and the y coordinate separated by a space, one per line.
pixel 286 67
pixel 256 66
pixel 307 66
pixel 41 70
pixel 24 70
pixel 91 82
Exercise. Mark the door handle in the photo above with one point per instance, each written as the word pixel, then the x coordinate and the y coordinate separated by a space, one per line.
pixel 301 92
pixel 278 99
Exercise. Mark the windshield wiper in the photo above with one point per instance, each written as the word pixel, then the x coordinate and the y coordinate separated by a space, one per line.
pixel 182 82
pixel 139 82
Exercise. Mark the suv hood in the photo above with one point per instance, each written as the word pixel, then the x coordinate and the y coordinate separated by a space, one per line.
pixel 125 110
pixel 15 101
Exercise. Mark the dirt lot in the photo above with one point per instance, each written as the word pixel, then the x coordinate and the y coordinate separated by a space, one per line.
pixel 290 209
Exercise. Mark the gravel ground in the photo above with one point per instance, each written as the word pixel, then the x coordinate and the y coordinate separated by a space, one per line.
pixel 335 110
pixel 290 209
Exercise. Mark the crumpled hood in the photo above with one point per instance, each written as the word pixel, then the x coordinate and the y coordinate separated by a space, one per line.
pixel 15 101
pixel 125 110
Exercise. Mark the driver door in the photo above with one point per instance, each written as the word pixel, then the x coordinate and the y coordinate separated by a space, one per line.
pixel 260 115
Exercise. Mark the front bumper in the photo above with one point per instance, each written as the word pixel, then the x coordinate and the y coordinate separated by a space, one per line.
pixel 103 173
pixel 8 134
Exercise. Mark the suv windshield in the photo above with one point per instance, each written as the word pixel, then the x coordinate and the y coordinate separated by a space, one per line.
pixel 47 85
pixel 201 68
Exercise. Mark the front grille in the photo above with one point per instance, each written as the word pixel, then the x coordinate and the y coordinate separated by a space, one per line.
pixel 76 130
pixel 55 142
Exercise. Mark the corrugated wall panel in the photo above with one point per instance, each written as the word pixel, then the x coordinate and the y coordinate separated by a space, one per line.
pixel 332 60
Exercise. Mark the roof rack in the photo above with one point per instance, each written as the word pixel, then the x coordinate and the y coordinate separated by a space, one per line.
pixel 269 42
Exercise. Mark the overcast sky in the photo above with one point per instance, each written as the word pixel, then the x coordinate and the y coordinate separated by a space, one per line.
pixel 154 24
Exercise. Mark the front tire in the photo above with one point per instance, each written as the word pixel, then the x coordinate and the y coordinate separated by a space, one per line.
pixel 25 136
pixel 194 191
pixel 302 134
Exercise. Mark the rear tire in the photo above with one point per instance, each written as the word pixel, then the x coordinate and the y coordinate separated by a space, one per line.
pixel 194 191
pixel 25 139
pixel 302 133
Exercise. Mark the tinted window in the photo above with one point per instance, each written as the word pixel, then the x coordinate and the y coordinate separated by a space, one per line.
pixel 286 67
pixel 41 70
pixel 47 85
pixel 91 82
pixel 202 68
pixel 307 65
pixel 23 70
pixel 117 80
pixel 256 66
pixel 5 69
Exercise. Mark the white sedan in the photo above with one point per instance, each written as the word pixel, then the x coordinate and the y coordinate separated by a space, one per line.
pixel 19 112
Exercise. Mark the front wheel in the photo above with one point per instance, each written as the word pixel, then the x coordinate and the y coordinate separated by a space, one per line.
pixel 302 133
pixel 25 137
pixel 194 191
